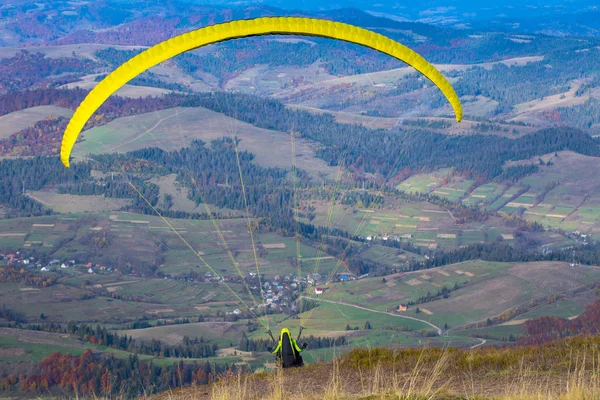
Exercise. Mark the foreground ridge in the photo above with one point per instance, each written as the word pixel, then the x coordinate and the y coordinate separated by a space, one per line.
pixel 563 370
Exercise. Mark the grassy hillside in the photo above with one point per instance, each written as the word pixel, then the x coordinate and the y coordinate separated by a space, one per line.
pixel 480 289
pixel 423 224
pixel 70 236
pixel 19 345
pixel 177 127
pixel 572 203
pixel 562 370
pixel 18 120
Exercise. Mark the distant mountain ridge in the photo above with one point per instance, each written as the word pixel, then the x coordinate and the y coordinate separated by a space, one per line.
pixel 61 22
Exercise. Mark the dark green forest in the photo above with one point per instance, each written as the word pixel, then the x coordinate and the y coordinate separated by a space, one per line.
pixel 387 153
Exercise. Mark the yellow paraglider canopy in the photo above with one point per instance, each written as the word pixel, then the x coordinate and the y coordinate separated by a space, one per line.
pixel 238 29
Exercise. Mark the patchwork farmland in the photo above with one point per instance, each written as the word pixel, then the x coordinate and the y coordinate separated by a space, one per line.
pixel 478 289
pixel 147 238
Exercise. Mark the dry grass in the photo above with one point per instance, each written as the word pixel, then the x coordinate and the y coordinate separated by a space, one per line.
pixel 70 203
pixel 131 91
pixel 563 370
pixel 174 128
pixel 18 120
pixel 349 118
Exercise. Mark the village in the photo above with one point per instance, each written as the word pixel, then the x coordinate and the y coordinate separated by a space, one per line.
pixel 279 292
pixel 32 263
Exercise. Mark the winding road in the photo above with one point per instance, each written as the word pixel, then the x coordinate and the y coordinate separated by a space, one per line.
pixel 481 343
pixel 439 330
pixel 147 131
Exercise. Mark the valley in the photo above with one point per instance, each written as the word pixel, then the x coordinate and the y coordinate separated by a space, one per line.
pixel 289 182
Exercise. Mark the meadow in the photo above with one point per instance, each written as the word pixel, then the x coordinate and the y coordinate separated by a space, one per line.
pixel 21 346
pixel 570 204
pixel 419 223
pixel 544 372
pixel 484 289
pixel 174 128
pixel 185 243
pixel 19 120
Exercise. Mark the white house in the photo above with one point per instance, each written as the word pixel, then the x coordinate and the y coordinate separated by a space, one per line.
pixel 63 266
pixel 318 290
pixel 44 269
pixel 90 271
pixel 25 262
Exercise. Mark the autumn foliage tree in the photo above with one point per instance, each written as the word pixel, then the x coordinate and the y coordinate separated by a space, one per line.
pixel 94 375
pixel 547 328
pixel 12 274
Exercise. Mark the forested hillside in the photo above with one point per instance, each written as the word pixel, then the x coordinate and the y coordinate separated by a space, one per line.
pixel 371 151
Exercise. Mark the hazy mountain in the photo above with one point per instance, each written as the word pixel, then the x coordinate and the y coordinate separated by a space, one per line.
pixel 431 10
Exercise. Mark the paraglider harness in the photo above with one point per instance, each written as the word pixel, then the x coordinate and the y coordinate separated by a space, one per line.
pixel 287 350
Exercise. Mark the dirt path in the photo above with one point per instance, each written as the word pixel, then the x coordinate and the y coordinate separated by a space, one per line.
pixel 439 330
pixel 481 343
pixel 513 321
pixel 32 197
pixel 147 131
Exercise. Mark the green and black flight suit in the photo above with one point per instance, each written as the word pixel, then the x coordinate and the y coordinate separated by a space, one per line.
pixel 288 351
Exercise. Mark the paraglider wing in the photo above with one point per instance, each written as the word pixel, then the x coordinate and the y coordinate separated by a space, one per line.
pixel 244 28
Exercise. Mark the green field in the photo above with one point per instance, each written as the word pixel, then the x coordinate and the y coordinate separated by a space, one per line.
pixel 483 195
pixel 371 222
pixel 424 183
pixel 18 346
pixel 332 319
pixel 440 183
pixel 225 334
pixel 388 256
pixel 486 289
pixel 187 245
pixel 570 205
pixel 421 224
pixel 454 190
pixel 84 299
pixel 177 127
pixel 497 331
pixel 32 351
pixel 327 319
pixel 173 294
pixel 502 200
pixel 472 237
pixel 564 308
pixel 526 201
